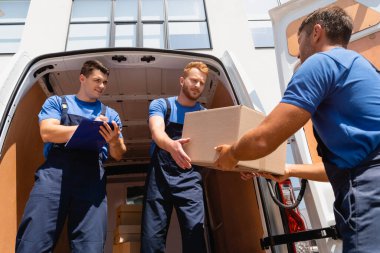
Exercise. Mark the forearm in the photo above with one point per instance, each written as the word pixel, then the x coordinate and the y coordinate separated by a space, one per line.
pixel 162 140
pixel 251 146
pixel 117 149
pixel 159 136
pixel 315 172
pixel 57 133
pixel 275 129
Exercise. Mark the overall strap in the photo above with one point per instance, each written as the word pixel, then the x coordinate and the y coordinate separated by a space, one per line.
pixel 168 112
pixel 64 107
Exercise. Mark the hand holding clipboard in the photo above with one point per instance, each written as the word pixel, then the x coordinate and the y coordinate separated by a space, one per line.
pixel 87 136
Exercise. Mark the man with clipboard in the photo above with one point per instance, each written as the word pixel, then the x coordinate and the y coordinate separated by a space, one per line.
pixel 71 183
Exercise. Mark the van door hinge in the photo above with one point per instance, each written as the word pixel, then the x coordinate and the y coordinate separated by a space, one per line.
pixel 299 236
pixel 42 69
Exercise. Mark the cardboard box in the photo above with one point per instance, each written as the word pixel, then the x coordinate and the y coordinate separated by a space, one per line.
pixel 127 233
pixel 210 128
pixel 127 247
pixel 129 215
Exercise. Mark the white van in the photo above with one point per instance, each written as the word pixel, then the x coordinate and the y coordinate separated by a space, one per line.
pixel 241 216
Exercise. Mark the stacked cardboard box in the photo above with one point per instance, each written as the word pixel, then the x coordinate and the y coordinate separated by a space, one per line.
pixel 127 247
pixel 210 128
pixel 129 215
pixel 127 233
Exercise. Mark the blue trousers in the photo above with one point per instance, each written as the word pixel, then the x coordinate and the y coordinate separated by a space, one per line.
pixel 68 186
pixel 357 205
pixel 168 187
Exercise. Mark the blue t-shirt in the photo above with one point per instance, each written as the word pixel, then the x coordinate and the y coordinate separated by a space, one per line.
pixel 341 90
pixel 178 111
pixel 52 109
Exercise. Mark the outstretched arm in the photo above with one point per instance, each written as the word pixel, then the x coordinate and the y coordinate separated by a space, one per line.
pixel 315 172
pixel 276 128
pixel 174 147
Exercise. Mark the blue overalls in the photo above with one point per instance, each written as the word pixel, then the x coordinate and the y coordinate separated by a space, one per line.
pixel 168 185
pixel 357 201
pixel 72 184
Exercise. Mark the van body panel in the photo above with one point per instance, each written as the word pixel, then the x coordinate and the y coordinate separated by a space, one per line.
pixel 286 19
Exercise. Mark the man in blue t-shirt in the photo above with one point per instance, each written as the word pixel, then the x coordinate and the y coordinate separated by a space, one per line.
pixel 71 182
pixel 172 180
pixel 340 91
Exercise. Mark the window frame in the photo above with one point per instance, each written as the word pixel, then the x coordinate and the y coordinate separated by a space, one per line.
pixel 13 50
pixel 255 20
pixel 139 26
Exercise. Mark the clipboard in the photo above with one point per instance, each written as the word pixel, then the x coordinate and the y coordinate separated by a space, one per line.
pixel 87 136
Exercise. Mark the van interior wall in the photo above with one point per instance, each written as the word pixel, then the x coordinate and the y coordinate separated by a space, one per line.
pixel 21 155
pixel 232 205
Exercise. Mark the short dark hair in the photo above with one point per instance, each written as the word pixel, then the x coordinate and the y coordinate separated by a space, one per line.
pixel 334 20
pixel 91 65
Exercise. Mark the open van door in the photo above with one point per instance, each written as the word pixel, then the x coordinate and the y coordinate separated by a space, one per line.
pixel 269 212
pixel 365 40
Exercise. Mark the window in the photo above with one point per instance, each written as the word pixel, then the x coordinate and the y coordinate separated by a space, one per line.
pixel 12 22
pixel 259 21
pixel 173 24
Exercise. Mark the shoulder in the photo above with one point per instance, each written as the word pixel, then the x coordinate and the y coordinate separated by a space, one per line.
pixel 339 57
pixel 317 65
pixel 159 103
pixel 69 98
pixel 53 101
pixel 157 107
pixel 51 109
pixel 318 59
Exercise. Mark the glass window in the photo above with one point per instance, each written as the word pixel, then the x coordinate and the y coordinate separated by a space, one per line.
pixel 125 35
pixel 13 11
pixel 12 21
pixel 10 37
pixel 152 10
pixel 153 36
pixel 83 36
pixel 138 23
pixel 262 33
pixel 91 10
pixel 126 10
pixel 259 21
pixel 186 10
pixel 188 35
pixel 258 9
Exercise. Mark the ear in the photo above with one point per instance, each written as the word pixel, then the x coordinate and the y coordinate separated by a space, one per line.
pixel 82 78
pixel 181 81
pixel 318 32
